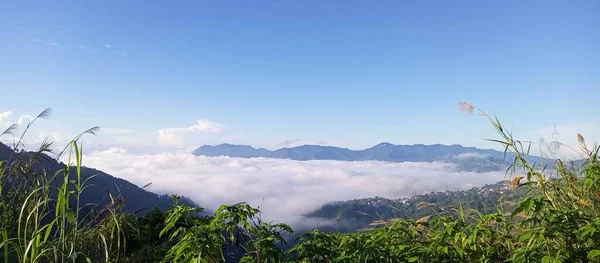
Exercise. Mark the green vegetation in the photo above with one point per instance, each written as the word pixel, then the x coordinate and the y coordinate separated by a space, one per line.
pixel 556 218
pixel 352 215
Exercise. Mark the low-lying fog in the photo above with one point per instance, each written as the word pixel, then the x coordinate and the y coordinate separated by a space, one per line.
pixel 285 189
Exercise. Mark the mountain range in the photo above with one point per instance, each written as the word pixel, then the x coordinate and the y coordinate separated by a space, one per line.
pixel 466 158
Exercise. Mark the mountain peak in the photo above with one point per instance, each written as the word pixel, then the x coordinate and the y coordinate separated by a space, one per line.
pixel 383 144
pixel 231 150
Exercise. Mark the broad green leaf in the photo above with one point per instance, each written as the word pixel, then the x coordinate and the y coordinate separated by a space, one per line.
pixel 547 259
pixel 594 254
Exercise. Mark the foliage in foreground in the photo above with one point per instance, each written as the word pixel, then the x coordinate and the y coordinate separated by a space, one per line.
pixel 557 220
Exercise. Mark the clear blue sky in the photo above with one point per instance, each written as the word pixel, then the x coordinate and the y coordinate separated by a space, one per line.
pixel 350 73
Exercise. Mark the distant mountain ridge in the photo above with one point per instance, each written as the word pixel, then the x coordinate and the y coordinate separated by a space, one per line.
pixel 466 158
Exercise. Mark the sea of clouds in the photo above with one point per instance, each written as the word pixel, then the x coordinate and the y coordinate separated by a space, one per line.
pixel 284 189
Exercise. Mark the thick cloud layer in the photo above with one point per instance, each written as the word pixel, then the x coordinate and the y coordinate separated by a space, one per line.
pixel 285 189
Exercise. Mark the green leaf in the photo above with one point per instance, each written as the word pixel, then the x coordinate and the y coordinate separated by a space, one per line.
pixel 413 259
pixel 525 236
pixel 547 259
pixel 594 254
pixel 526 205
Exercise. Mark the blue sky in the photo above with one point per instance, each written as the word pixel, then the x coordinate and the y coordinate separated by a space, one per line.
pixel 348 73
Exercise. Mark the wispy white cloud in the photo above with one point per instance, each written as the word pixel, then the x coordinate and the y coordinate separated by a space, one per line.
pixel 472 155
pixel 33 140
pixel 289 188
pixel 5 122
pixel 53 43
pixel 84 48
pixel 5 118
pixel 48 43
pixel 43 129
pixel 174 136
pixel 24 119
pixel 116 131
pixel 55 137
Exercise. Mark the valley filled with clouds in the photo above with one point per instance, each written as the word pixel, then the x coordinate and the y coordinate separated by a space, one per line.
pixel 285 189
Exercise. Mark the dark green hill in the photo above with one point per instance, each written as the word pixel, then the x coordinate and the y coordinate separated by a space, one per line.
pixel 101 186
